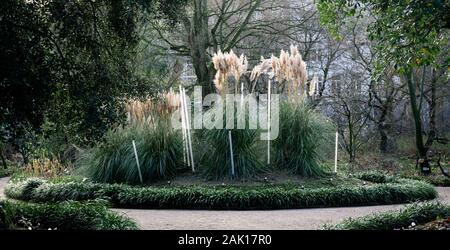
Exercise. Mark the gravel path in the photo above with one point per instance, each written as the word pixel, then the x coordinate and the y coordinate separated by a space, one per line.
pixel 3 182
pixel 290 219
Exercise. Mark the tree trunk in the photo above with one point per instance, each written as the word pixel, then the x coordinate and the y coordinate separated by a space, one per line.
pixel 198 44
pixel 432 116
pixel 351 151
pixel 383 141
pixel 383 147
pixel 3 160
pixel 421 150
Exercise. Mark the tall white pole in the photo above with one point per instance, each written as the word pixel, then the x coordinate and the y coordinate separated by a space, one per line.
pixel 335 153
pixel 188 127
pixel 231 152
pixel 183 129
pixel 137 162
pixel 242 94
pixel 268 122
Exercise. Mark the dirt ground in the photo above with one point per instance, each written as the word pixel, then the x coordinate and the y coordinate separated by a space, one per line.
pixel 272 177
pixel 3 182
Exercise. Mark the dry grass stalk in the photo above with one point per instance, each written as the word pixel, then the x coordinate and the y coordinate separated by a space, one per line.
pixel 289 67
pixel 263 67
pixel 145 111
pixel 138 111
pixel 45 167
pixel 228 64
pixel 312 85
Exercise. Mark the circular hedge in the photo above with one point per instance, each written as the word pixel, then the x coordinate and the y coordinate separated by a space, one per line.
pixel 390 191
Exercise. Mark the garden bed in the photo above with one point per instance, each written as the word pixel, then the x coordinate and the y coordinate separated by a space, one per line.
pixel 266 196
pixel 63 216
pixel 275 177
pixel 414 216
pixel 438 224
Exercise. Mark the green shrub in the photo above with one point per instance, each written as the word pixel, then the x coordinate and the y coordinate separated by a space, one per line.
pixel 418 213
pixel 8 171
pixel 259 197
pixel 5 172
pixel 29 187
pixel 216 157
pixel 302 131
pixel 375 177
pixel 62 216
pixel 159 151
pixel 104 162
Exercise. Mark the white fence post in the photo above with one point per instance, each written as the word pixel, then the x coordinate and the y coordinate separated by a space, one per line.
pixel 137 162
pixel 336 153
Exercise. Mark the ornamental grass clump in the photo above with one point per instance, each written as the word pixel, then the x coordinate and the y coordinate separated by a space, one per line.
pixel 217 157
pixel 230 153
pixel 301 130
pixel 298 146
pixel 159 150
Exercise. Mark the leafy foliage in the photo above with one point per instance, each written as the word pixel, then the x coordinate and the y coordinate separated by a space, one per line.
pixel 62 216
pixel 159 152
pixel 9 170
pixel 197 197
pixel 61 65
pixel 302 131
pixel 417 213
pixel 407 33
pixel 69 64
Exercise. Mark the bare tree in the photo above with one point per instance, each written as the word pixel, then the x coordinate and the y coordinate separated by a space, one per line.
pixel 432 91
pixel 348 103
pixel 385 91
pixel 258 27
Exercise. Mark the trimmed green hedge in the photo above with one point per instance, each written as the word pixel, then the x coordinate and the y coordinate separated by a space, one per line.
pixel 63 216
pixel 380 177
pixel 375 176
pixel 196 197
pixel 417 213
pixel 440 180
